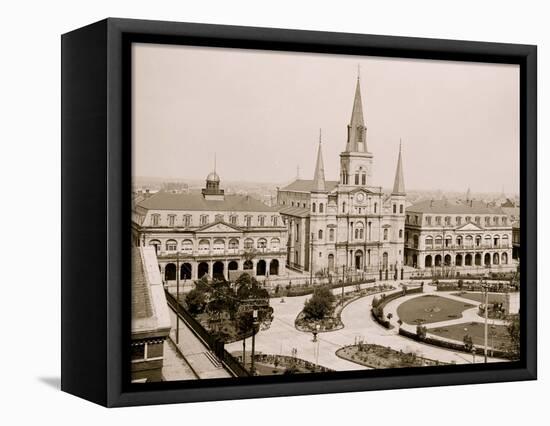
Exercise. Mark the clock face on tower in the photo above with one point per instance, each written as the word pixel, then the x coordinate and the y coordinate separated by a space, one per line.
pixel 360 197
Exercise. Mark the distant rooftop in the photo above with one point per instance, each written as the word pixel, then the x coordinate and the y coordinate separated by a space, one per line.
pixel 294 211
pixel 186 202
pixel 308 185
pixel 454 207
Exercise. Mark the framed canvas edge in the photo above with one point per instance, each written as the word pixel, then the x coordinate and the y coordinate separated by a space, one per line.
pixel 525 55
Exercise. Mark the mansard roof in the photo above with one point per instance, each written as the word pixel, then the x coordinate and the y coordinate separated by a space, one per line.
pixel 308 185
pixel 196 202
pixel 454 207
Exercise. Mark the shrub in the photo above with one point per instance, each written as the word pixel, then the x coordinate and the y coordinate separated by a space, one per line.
pixel 320 304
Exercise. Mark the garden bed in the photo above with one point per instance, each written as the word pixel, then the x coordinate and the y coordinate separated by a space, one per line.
pixel 376 356
pixel 334 322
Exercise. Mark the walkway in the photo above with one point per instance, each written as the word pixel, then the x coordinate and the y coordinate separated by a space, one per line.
pixel 282 336
pixel 200 359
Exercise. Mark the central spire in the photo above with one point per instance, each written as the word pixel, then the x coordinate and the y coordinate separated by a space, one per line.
pixel 319 177
pixel 357 141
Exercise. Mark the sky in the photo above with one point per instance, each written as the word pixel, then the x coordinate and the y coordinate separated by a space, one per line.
pixel 259 113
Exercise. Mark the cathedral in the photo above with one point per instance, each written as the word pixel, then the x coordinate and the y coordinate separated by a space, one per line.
pixel 345 226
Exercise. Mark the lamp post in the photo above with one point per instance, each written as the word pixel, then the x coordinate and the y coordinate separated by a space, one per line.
pixel 316 344
pixel 177 297
pixel 486 291
pixel 311 261
pixel 254 322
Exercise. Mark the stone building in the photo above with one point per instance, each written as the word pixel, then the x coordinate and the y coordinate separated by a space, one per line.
pixel 345 225
pixel 150 317
pixel 457 234
pixel 211 233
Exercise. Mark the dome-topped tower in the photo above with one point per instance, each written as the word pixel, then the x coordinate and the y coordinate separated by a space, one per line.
pixel 212 190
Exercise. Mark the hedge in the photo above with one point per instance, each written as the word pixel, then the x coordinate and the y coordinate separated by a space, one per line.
pixel 378 310
pixel 451 345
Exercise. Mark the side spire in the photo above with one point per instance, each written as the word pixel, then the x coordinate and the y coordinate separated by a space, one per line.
pixel 319 176
pixel 399 182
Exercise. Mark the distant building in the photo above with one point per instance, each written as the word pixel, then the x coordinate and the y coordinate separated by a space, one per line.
pixel 347 223
pixel 457 234
pixel 150 317
pixel 515 240
pixel 211 233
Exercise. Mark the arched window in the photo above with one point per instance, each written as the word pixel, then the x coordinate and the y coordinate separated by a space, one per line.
pixel 469 240
pixel 459 241
pixel 429 242
pixel 356 178
pixel 321 208
pixel 233 244
pixel 275 243
pixel 394 208
pixel 356 233
pixel 187 246
pixel 204 246
pixel 331 234
pixel 156 244
pixel 401 208
pixel 364 179
pixel 249 243
pixel 386 234
pixel 375 206
pixel 344 207
pixel 262 243
pixel 313 207
pixel 400 233
pixel 171 245
pixel 320 234
pixel 219 245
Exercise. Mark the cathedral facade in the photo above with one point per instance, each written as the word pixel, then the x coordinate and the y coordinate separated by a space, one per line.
pixel 345 226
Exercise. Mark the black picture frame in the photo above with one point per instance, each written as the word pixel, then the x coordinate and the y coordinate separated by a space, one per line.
pixel 96 208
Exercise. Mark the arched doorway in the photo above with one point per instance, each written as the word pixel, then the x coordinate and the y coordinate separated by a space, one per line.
pixel 458 260
pixel 331 262
pixel 504 258
pixel 247 265
pixel 260 267
pixel 170 272
pixel 487 260
pixel 274 267
pixel 478 259
pixel 438 260
pixel 203 269
pixel 496 259
pixel 358 259
pixel 468 260
pixel 385 260
pixel 185 271
pixel 217 270
pixel 447 260
pixel 233 265
pixel 428 261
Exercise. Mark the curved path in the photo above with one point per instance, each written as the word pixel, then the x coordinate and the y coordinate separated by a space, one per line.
pixel 282 336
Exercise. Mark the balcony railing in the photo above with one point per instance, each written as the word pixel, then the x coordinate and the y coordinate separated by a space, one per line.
pixel 468 247
pixel 215 252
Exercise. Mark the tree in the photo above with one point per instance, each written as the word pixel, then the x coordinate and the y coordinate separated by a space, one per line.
pixel 320 304
pixel 196 301
pixel 468 343
pixel 389 316
pixel 514 333
pixel 421 331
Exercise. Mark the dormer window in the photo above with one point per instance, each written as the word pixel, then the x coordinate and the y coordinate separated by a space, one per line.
pixel 155 219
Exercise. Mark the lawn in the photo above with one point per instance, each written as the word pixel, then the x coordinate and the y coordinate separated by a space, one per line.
pixel 480 297
pixel 430 308
pixel 500 338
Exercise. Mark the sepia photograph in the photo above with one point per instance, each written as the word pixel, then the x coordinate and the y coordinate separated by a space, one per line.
pixel 303 213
